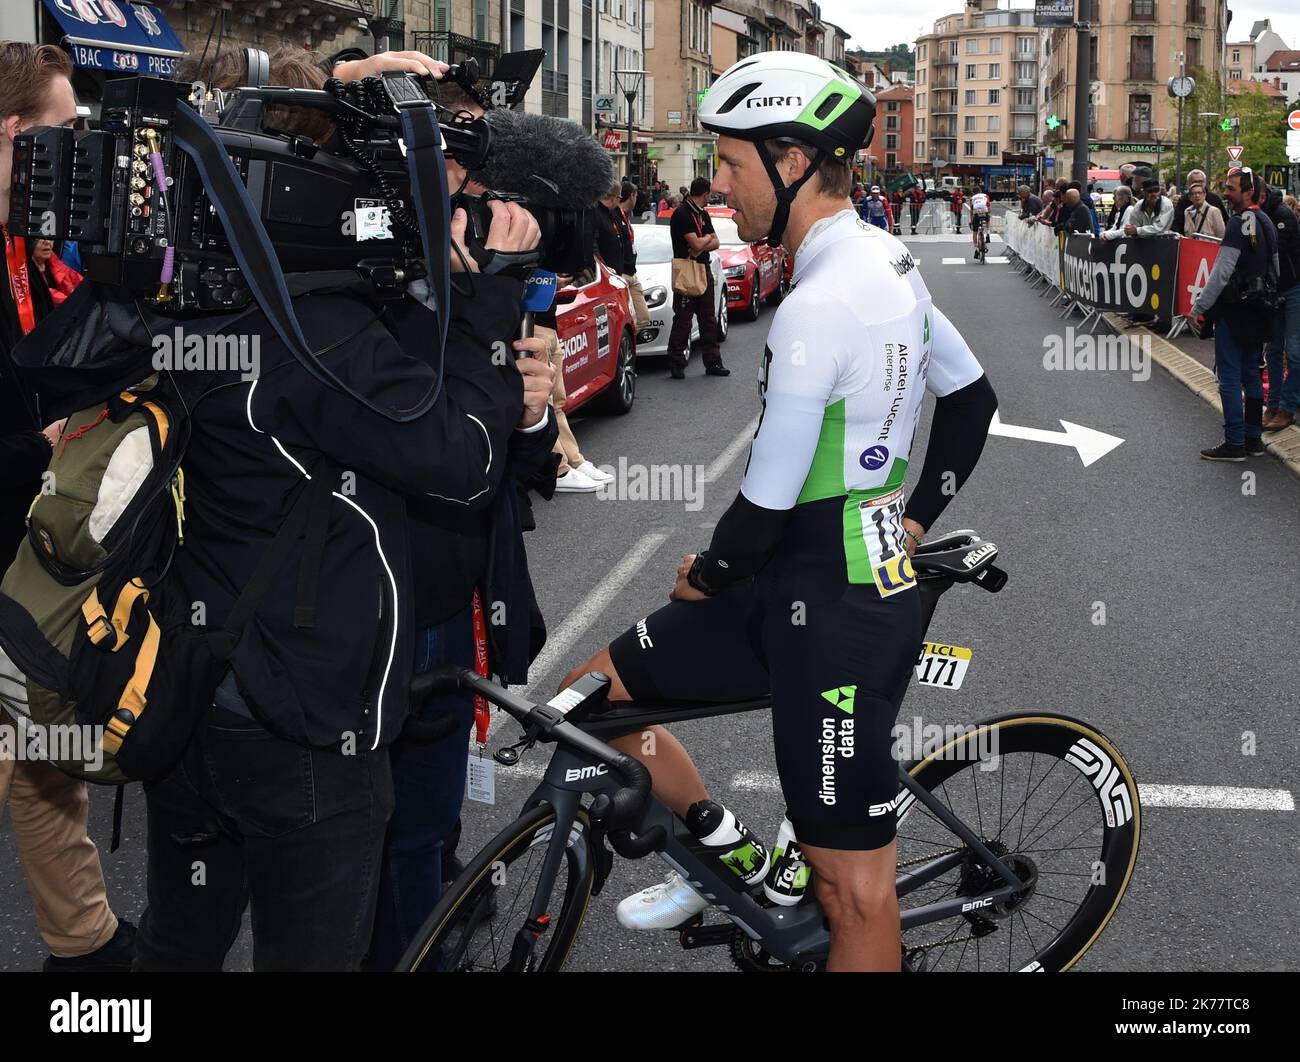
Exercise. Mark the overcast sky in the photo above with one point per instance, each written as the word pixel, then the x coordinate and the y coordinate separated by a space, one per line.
pixel 877 24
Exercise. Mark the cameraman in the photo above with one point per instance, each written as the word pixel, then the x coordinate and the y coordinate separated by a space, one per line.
pixel 47 807
pixel 285 793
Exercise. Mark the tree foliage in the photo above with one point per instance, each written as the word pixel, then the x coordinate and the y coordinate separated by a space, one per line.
pixel 1263 129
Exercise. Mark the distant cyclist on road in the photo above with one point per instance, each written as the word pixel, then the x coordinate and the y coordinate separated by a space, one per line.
pixel 806 591
pixel 979 221
pixel 875 210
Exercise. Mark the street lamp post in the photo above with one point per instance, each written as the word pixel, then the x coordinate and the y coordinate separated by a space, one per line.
pixel 629 83
pixel 1209 117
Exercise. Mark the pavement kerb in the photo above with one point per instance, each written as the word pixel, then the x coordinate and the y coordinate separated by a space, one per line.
pixel 1284 445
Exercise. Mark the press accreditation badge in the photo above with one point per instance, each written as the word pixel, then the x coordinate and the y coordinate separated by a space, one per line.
pixel 481 779
pixel 372 220
pixel 942 665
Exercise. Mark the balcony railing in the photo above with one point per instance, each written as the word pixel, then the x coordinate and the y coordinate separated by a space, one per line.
pixel 455 48
pixel 1024 108
pixel 1141 70
pixel 944 83
pixel 945 60
pixel 1024 82
pixel 1196 14
pixel 1139 131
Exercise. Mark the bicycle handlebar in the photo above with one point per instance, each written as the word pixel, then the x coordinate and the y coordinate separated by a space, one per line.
pixel 617 814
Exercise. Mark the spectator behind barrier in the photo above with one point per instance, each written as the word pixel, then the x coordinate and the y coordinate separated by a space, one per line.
pixel 1201 218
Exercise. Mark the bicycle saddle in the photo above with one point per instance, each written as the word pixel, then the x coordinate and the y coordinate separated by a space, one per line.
pixel 961 556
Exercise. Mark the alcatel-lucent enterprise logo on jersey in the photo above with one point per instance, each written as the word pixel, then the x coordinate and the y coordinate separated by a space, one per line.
pixel 874 457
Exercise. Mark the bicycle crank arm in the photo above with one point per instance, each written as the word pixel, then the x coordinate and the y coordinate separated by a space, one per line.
pixel 698 935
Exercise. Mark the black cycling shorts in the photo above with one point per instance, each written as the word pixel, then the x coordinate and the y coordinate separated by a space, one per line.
pixel 978 221
pixel 836 661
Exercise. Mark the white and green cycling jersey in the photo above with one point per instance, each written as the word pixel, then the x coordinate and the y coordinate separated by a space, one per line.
pixel 850 354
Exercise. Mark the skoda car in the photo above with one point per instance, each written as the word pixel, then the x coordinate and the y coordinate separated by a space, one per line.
pixel 754 271
pixel 595 324
pixel 654 268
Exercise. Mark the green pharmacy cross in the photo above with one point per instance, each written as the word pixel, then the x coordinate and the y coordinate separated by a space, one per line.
pixel 1226 125
pixel 1053 122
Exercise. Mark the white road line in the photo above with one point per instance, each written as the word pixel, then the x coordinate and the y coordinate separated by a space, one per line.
pixel 954 261
pixel 734 449
pixel 559 645
pixel 1218 797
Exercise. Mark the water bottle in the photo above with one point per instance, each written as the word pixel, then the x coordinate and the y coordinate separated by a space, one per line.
pixel 741 852
pixel 787 881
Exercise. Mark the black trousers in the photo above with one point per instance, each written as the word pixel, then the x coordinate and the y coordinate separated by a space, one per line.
pixel 684 308
pixel 248 820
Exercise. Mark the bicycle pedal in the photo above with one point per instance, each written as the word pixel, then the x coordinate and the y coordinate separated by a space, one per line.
pixel 697 935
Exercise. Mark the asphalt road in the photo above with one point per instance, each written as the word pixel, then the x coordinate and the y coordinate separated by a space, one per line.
pixel 1198 581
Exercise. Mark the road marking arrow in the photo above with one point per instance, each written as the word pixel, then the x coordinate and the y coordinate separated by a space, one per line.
pixel 1092 445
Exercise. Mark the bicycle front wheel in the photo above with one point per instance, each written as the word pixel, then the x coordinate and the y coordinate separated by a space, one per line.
pixel 1055 801
pixel 479 923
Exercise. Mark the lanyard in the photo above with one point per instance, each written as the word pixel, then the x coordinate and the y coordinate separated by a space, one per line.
pixel 20 285
pixel 482 711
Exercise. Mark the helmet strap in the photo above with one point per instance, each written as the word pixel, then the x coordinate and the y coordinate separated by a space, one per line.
pixel 785 193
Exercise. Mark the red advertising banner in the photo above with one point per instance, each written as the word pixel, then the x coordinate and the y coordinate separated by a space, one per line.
pixel 1195 261
pixel 613 140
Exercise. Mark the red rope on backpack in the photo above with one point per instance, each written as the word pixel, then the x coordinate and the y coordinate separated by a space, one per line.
pixel 82 430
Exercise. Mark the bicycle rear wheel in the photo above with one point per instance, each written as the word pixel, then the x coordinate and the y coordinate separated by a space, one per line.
pixel 1059 806
pixel 475 926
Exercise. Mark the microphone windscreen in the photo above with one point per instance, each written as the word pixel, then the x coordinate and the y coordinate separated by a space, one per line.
pixel 529 146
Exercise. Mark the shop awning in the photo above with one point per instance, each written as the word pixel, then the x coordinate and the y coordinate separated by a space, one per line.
pixel 115 35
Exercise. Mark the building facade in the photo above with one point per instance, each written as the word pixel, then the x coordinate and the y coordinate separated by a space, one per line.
pixel 976 91
pixel 620 53
pixel 892 146
pixel 1137 46
pixel 678 51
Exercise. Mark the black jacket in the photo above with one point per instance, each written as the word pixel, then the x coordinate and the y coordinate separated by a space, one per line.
pixel 254 442
pixel 1288 239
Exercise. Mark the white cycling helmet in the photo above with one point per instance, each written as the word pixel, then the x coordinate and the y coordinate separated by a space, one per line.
pixel 796 97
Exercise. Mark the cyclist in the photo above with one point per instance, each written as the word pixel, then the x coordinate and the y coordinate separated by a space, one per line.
pixel 806 590
pixel 979 220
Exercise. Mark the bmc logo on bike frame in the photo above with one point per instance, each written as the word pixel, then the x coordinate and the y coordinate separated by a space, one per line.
pixel 581 774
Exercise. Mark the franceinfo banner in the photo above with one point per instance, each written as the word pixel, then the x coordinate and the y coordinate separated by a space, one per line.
pixel 1124 276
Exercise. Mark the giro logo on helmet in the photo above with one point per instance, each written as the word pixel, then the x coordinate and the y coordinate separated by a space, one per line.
pixel 775 101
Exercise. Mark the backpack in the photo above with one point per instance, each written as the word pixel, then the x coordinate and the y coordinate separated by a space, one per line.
pixel 106 674
pixel 102 664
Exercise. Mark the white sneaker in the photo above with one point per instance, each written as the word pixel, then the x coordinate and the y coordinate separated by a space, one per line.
pixel 575 482
pixel 662 906
pixel 594 474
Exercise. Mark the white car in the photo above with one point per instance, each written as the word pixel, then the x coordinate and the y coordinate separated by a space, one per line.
pixel 654 268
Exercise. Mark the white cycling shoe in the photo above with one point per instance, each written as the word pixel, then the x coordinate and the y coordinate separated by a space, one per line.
pixel 663 906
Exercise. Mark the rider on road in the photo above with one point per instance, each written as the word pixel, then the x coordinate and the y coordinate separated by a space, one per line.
pixel 806 591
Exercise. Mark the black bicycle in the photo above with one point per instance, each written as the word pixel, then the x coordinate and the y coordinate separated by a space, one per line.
pixel 1017 837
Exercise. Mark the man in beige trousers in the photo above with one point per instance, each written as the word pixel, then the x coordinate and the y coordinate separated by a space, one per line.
pixel 48 809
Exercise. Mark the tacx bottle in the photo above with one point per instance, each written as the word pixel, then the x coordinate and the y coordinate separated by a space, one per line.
pixel 740 851
pixel 787 881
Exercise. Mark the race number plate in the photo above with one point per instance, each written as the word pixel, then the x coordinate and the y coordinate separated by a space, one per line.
pixel 942 665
